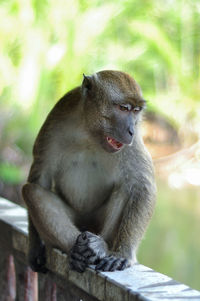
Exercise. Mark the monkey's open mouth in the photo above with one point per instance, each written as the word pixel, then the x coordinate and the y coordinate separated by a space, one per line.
pixel 114 143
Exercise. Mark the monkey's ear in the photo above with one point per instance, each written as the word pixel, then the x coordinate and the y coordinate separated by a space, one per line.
pixel 87 83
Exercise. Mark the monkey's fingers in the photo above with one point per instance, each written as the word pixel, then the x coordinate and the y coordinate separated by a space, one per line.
pixel 105 264
pixel 78 257
pixel 78 266
pixel 89 257
pixel 112 263
pixel 93 260
pixel 119 264
pixel 77 262
pixel 88 253
pixel 79 248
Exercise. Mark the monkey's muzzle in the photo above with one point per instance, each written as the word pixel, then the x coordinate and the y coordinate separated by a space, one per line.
pixel 116 145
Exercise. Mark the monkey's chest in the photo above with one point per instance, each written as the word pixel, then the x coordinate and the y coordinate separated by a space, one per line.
pixel 84 182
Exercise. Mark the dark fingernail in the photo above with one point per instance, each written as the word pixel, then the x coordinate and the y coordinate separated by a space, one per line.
pixel 84 236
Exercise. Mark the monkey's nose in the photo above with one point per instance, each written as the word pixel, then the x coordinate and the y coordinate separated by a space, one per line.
pixel 131 131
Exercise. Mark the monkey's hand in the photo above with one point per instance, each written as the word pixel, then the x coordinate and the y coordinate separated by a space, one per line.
pixel 88 249
pixel 112 263
pixel 37 258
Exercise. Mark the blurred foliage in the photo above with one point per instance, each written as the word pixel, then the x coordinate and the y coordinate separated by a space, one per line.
pixel 10 173
pixel 45 48
pixel 47 45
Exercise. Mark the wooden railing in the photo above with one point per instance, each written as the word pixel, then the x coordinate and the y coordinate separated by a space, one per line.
pixel 19 283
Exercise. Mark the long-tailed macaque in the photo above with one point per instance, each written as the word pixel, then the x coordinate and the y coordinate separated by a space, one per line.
pixel 91 189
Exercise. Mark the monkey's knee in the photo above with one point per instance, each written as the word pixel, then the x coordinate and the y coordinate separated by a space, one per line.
pixel 31 193
pixel 28 188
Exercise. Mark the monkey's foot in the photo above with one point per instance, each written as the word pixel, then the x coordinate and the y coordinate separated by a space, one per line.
pixel 37 259
pixel 88 249
pixel 111 264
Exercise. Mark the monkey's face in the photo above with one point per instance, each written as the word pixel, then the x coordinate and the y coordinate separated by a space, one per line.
pixel 113 104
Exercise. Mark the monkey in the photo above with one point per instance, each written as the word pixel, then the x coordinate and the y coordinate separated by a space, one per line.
pixel 91 189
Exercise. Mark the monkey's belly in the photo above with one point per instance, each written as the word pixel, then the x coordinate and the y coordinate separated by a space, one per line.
pixel 84 190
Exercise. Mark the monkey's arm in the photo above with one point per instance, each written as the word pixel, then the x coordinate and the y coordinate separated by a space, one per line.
pixel 49 219
pixel 51 216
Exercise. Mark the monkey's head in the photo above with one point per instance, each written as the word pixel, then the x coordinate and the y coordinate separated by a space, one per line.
pixel 113 103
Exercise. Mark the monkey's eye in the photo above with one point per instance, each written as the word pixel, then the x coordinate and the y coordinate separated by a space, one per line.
pixel 125 107
pixel 137 109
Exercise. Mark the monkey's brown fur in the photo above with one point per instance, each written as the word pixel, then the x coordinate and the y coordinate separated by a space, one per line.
pixel 91 189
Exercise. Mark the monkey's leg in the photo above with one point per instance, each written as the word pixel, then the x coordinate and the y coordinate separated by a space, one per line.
pixel 113 212
pixel 53 220
pixel 126 236
pixel 51 216
pixel 36 250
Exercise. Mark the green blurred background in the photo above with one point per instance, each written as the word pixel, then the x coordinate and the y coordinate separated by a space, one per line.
pixel 46 46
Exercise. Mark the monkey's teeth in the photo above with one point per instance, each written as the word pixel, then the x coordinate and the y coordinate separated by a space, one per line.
pixel 114 143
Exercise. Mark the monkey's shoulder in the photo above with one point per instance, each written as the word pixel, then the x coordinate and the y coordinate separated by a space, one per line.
pixel 138 163
pixel 68 102
pixel 63 109
pixel 59 117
